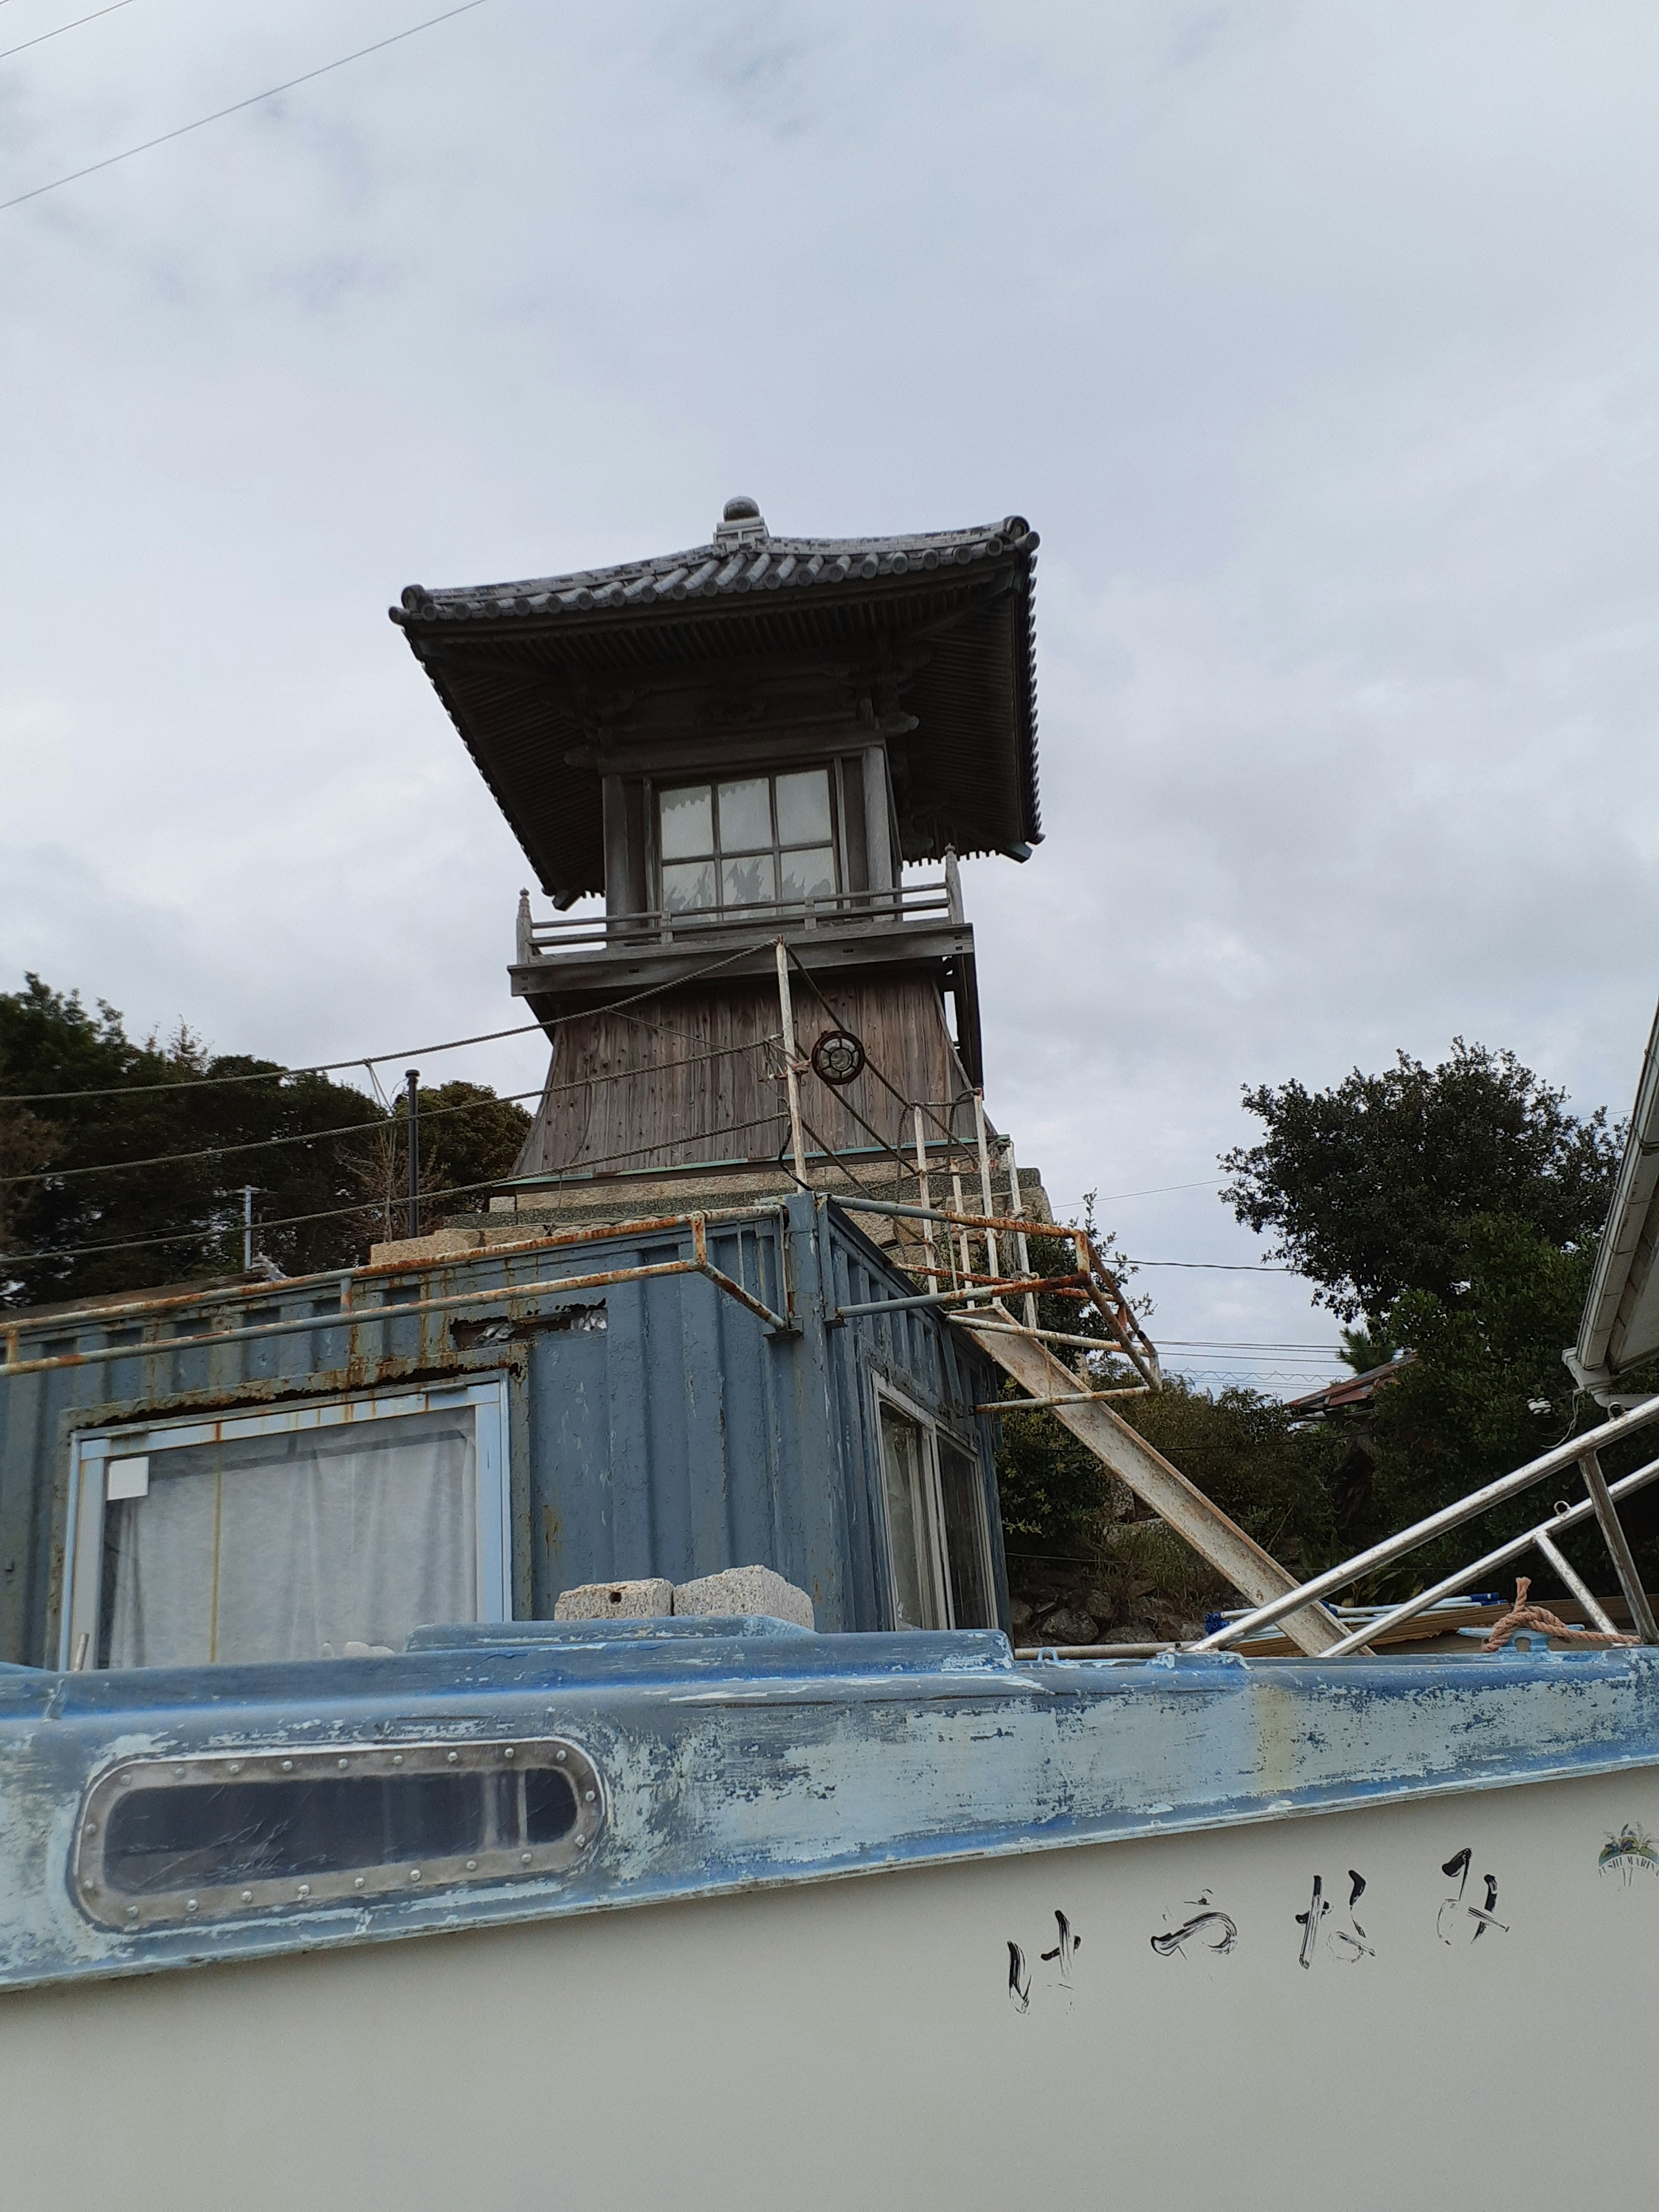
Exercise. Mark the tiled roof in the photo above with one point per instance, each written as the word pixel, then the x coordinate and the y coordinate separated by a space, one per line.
pixel 935 630
pixel 742 557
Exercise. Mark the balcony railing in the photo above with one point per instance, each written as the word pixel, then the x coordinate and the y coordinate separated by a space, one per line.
pixel 657 930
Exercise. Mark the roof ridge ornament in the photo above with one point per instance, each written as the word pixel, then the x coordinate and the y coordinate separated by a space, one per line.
pixel 741 523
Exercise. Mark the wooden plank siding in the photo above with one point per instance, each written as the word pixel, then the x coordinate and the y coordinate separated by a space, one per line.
pixel 697 1079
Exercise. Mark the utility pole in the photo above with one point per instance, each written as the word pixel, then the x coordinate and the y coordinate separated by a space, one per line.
pixel 412 1082
pixel 247 1228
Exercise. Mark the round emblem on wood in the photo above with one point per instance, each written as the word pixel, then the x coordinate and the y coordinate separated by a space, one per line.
pixel 838 1057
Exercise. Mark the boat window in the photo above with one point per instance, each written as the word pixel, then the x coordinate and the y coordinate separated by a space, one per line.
pixel 752 842
pixel 289 1536
pixel 218 1837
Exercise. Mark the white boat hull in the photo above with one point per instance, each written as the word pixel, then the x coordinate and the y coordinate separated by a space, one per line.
pixel 855 2043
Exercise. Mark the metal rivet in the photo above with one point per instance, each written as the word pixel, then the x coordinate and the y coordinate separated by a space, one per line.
pixel 89 1884
pixel 342 1764
pixel 397 1759
pixel 589 1794
pixel 287 1766
pixel 581 1842
pixel 235 1765
pixel 358 1883
pixel 453 1756
pixel 190 1904
pixel 524 1858
pixel 178 1773
pixel 132 1912
pixel 559 1755
pixel 508 1754
pixel 247 1897
pixel 472 1866
pixel 92 1827
pixel 304 1889
pixel 415 1874
pixel 126 1781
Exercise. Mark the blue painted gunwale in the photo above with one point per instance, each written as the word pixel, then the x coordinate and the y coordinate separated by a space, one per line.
pixel 740 1754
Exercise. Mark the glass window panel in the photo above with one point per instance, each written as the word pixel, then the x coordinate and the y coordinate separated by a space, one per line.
pixel 804 807
pixel 909 1521
pixel 746 882
pixel 746 816
pixel 965 1551
pixel 688 887
pixel 296 1546
pixel 808 875
pixel 687 816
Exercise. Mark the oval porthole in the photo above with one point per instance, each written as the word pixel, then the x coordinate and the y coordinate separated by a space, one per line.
pixel 214 1838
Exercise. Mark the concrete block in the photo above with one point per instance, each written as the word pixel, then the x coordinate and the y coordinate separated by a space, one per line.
pixel 745 1589
pixel 640 1600
pixel 441 1244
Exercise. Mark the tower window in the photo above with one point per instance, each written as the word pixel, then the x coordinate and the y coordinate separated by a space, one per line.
pixel 760 841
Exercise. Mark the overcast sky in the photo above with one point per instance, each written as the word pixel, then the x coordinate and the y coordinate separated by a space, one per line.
pixel 1317 340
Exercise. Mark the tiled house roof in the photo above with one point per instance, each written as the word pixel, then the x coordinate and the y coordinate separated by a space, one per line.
pixel 935 630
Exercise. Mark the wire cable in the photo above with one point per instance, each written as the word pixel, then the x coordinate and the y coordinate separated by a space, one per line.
pixel 237 106
pixel 363 1060
pixel 6 54
pixel 368 1205
pixel 387 1121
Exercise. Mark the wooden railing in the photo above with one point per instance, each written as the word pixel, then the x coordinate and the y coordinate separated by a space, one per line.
pixel 590 934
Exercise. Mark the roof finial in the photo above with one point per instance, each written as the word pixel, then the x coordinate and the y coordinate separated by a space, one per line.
pixel 741 522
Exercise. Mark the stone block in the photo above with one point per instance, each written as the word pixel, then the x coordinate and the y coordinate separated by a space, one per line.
pixel 441 1244
pixel 641 1601
pixel 745 1589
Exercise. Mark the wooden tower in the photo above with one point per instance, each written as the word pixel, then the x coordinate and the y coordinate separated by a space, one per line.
pixel 741 746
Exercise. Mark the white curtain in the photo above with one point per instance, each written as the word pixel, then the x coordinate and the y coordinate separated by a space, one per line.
pixel 295 1546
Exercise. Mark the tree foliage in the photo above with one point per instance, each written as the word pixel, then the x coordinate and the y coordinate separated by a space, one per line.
pixel 54 1217
pixel 1367 1187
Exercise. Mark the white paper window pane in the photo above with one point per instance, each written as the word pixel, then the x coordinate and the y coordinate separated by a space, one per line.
pixel 295 1546
pixel 688 887
pixel 904 1478
pixel 746 816
pixel 808 875
pixel 687 816
pixel 804 807
pixel 747 883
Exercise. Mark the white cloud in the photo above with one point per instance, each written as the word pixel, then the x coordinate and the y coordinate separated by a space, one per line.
pixel 1319 344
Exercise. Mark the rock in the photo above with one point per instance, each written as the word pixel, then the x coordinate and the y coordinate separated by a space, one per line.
pixel 638 1601
pixel 1068 1624
pixel 1020 1616
pixel 745 1590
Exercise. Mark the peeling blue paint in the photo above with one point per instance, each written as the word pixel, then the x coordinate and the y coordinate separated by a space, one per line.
pixel 742 1753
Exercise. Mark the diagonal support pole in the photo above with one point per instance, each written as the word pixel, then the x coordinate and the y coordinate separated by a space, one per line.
pixel 1193 1516
pixel 1612 1529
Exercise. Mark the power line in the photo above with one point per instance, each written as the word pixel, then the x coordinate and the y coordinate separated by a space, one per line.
pixel 366 1205
pixel 1217 1267
pixel 6 55
pixel 362 1060
pixel 388 1120
pixel 237 106
pixel 264 1144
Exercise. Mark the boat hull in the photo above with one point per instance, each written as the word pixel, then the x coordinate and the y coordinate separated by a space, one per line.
pixel 875 2041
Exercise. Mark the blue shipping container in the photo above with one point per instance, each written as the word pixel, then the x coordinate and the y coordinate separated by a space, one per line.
pixel 201 1473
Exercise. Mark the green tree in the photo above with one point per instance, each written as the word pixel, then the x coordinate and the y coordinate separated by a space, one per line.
pixel 1366 1186
pixel 172 1222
